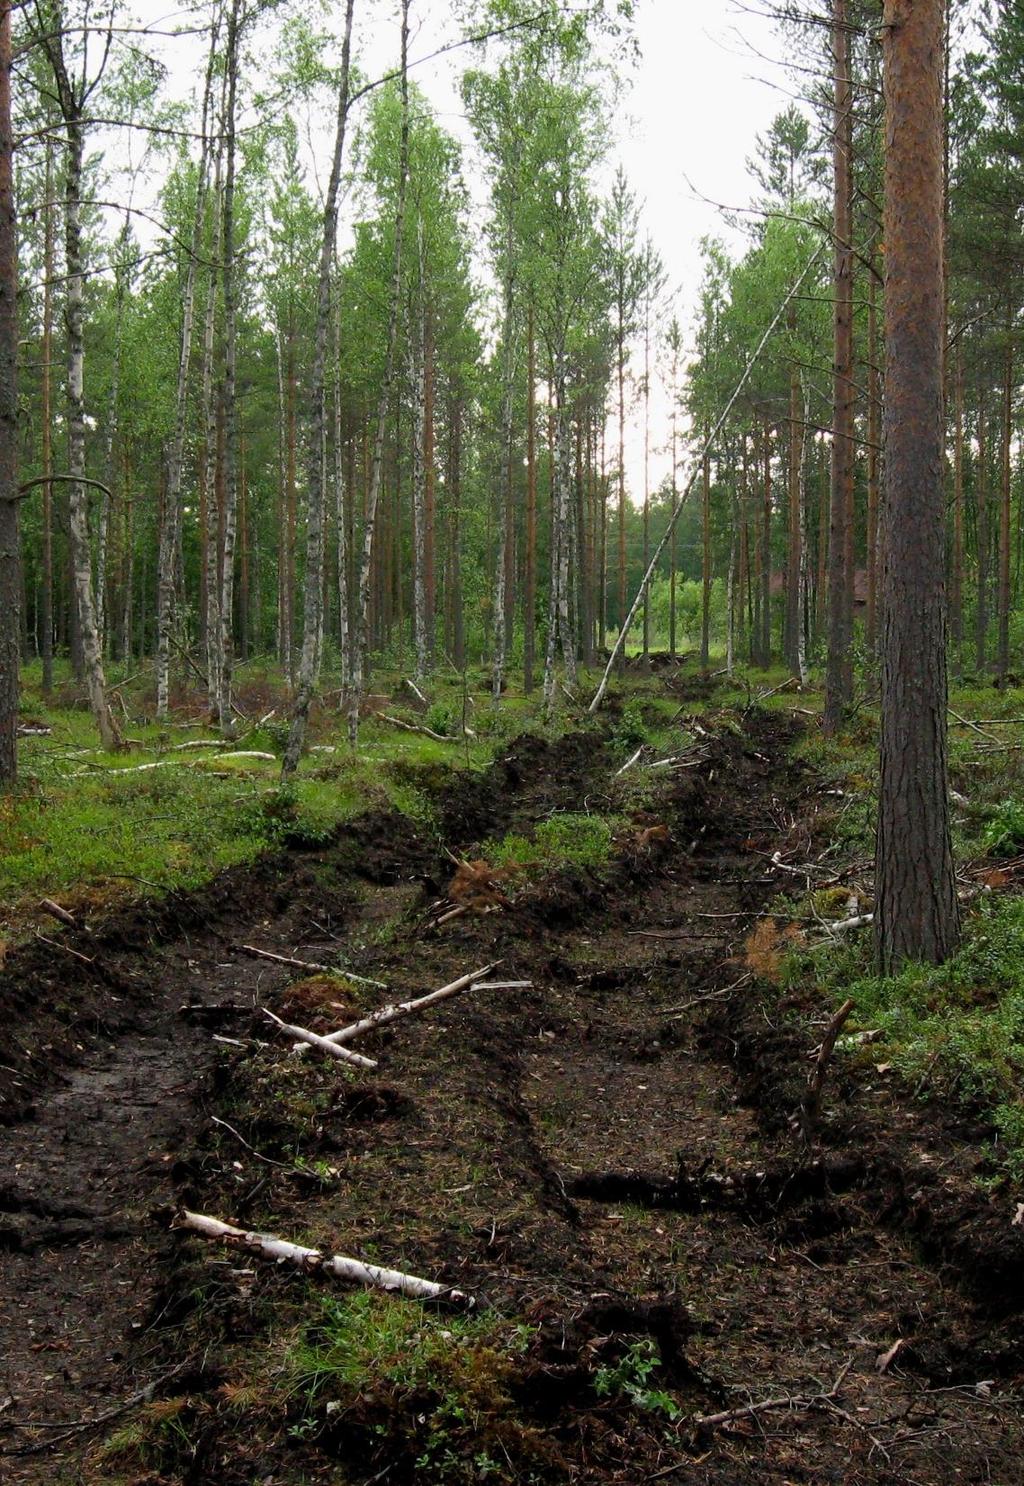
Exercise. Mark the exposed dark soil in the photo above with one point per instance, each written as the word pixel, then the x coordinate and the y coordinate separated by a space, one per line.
pixel 610 1155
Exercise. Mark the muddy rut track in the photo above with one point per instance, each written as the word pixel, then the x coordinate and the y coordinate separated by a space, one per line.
pixel 581 1153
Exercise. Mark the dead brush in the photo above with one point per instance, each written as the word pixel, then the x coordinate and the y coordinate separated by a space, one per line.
pixel 766 946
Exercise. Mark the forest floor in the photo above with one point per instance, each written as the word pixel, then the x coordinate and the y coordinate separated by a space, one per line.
pixel 609 1159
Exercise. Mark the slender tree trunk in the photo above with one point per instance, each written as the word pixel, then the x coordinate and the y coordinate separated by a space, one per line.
pixel 360 625
pixel 916 913
pixel 313 615
pixel 10 551
pixel 226 639
pixel 766 553
pixel 839 675
pixel 984 543
pixel 956 590
pixel 429 489
pixel 530 584
pixel 874 467
pixel 455 496
pixel 1003 590
pixel 505 482
pixel 705 523
pixel 795 564
pixel 47 420
pixel 110 734
pixel 170 526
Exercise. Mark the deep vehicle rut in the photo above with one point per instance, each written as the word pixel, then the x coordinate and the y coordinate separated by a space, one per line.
pixel 608 1153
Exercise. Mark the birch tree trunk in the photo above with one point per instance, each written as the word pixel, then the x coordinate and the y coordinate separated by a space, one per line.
pixel 530 584
pixel 361 617
pixel 78 525
pixel 312 637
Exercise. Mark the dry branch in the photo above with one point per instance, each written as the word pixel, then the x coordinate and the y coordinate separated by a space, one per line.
pixel 56 911
pixel 267 954
pixel 313 1261
pixel 303 1034
pixel 705 1422
pixel 406 1008
pixel 816 1077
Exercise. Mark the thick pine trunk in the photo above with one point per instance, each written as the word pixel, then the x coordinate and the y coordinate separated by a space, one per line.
pixel 230 504
pixel 916 914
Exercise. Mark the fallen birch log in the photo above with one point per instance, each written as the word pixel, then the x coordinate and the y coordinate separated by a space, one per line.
pixel 313 1261
pixel 629 762
pixel 388 1014
pixel 303 1034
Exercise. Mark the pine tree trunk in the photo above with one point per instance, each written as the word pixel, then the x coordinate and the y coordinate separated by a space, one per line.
pixel 361 618
pixel 170 526
pixel 530 584
pixel 417 382
pixel 313 615
pixel 874 468
pixel 956 587
pixel 916 913
pixel 1005 487
pixel 230 507
pixel 47 421
pixel 10 551
pixel 505 484
pixel 839 675
pixel 795 564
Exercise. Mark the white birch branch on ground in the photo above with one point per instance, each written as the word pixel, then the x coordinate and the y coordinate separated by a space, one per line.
pixel 303 1034
pixel 406 1008
pixel 313 1261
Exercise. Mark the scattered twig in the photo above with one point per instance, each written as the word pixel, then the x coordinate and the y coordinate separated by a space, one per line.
pixel 816 1078
pixel 144 1395
pixel 792 1402
pixel 314 1261
pixel 282 1165
pixel 266 954
pixel 56 944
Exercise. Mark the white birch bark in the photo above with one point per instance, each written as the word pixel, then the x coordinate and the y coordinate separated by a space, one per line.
pixel 78 524
pixel 314 1261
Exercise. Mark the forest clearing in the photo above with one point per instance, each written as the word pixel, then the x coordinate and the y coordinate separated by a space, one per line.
pixel 511 737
